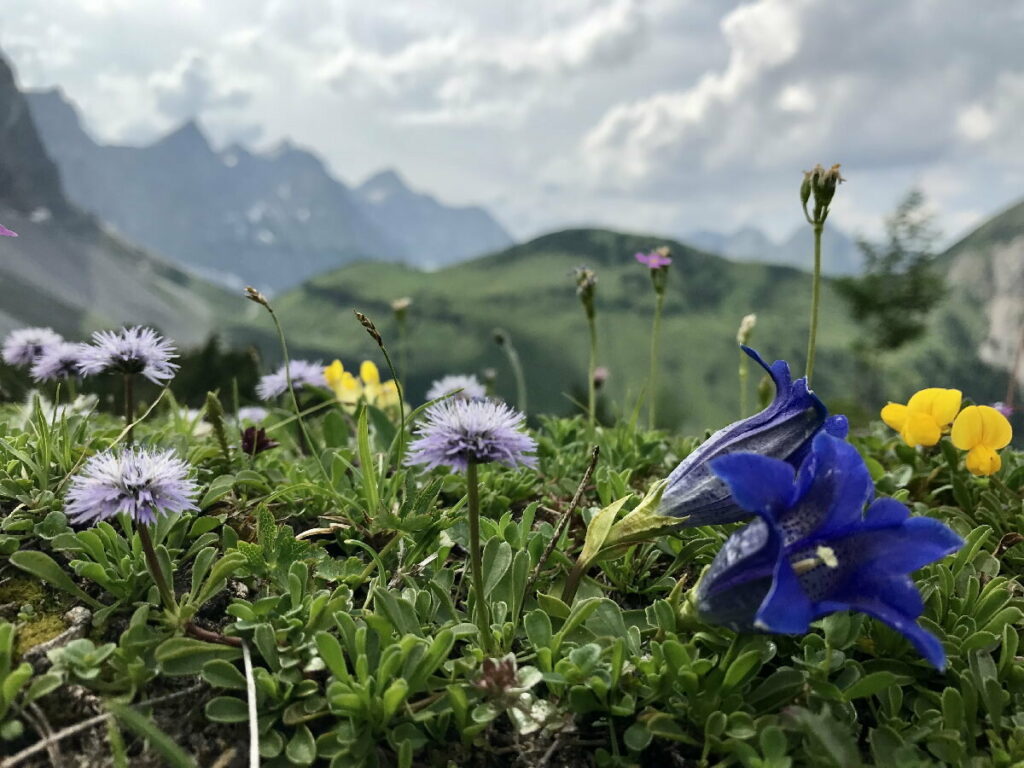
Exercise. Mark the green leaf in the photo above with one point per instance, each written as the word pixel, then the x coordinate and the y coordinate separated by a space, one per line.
pixel 741 668
pixel 159 741
pixel 186 655
pixel 301 749
pixel 220 487
pixel 874 683
pixel 46 568
pixel 367 472
pixel 227 709
pixel 497 559
pixel 223 674
pixel 538 628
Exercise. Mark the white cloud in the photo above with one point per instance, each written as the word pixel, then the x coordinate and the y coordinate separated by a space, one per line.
pixel 666 115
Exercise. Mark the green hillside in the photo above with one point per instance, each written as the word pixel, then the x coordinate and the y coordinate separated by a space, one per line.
pixel 529 291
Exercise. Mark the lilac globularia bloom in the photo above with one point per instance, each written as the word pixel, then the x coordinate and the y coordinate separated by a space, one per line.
pixel 303 372
pixel 24 345
pixel 130 350
pixel 5 232
pixel 470 386
pixel 139 483
pixel 58 361
pixel 783 430
pixel 457 432
pixel 814 549
pixel 252 413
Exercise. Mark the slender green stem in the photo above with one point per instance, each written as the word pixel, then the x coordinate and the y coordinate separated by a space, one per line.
pixel 129 405
pixel 291 391
pixel 744 376
pixel 516 366
pixel 652 394
pixel 812 338
pixel 483 618
pixel 157 572
pixel 591 384
pixel 401 403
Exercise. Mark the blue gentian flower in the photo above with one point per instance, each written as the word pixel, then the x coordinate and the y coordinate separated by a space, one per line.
pixel 783 430
pixel 814 550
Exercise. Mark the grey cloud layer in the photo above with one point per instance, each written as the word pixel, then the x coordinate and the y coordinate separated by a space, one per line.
pixel 639 114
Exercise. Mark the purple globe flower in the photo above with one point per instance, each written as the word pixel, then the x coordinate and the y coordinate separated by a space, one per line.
pixel 814 549
pixel 457 432
pixel 24 345
pixel 252 413
pixel 304 373
pixel 5 232
pixel 130 350
pixel 471 387
pixel 139 483
pixel 656 259
pixel 58 361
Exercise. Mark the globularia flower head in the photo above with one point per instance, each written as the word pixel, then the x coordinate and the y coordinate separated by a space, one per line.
pixel 130 350
pixel 24 345
pixel 457 432
pixel 783 430
pixel 139 483
pixel 252 413
pixel 303 372
pixel 470 386
pixel 814 549
pixel 58 361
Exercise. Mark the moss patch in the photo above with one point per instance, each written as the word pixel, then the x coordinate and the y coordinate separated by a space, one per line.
pixel 38 630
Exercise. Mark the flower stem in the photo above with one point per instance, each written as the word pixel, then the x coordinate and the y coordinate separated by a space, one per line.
pixel 652 395
pixel 156 571
pixel 483 618
pixel 812 338
pixel 744 376
pixel 515 365
pixel 591 384
pixel 129 405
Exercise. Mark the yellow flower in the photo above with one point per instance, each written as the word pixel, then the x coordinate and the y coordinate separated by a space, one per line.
pixel 981 431
pixel 349 390
pixel 371 381
pixel 925 416
pixel 333 373
pixel 388 397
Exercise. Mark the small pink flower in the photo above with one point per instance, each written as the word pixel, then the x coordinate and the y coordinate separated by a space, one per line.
pixel 1003 408
pixel 656 259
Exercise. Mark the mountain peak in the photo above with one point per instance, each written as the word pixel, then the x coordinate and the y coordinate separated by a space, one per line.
pixel 188 136
pixel 383 184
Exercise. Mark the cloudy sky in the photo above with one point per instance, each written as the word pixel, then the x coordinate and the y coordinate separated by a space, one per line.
pixel 646 115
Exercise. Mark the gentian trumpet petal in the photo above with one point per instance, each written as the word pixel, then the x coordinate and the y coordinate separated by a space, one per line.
pixel 815 550
pixel 783 430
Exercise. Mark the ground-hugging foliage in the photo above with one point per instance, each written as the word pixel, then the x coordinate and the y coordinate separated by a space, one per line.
pixel 345 574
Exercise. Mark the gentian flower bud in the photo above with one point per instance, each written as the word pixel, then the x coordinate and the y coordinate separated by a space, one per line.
pixel 784 430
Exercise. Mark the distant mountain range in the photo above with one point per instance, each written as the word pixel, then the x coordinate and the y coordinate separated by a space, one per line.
pixel 840 253
pixel 269 219
pixel 65 270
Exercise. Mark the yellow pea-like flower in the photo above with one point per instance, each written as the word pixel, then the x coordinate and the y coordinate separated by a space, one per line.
pixel 368 373
pixel 388 396
pixel 926 415
pixel 982 431
pixel 333 373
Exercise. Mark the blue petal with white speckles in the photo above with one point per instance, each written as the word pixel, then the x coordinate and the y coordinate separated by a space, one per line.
pixel 849 558
pixel 783 430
